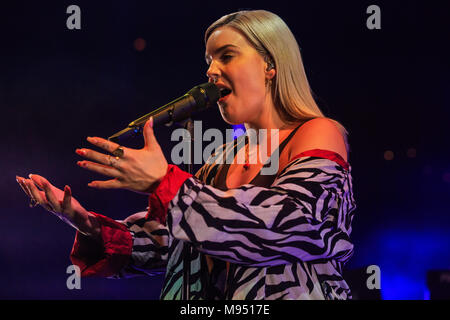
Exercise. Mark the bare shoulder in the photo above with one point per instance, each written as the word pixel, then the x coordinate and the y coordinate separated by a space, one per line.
pixel 318 133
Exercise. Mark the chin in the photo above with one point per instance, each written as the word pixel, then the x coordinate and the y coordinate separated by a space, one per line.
pixel 229 116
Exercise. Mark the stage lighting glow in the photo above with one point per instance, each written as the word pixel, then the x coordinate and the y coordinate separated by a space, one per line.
pixel 239 129
pixel 405 256
pixel 388 155
pixel 139 44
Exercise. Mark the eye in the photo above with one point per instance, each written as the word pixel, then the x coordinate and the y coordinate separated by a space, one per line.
pixel 226 57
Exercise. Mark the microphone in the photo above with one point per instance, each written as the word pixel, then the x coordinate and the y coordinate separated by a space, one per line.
pixel 197 99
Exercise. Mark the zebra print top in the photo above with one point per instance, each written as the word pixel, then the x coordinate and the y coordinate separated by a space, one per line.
pixel 286 241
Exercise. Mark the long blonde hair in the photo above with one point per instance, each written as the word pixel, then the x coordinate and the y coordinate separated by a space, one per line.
pixel 272 38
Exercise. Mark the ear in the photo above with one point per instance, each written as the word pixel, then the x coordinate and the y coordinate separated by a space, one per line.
pixel 270 74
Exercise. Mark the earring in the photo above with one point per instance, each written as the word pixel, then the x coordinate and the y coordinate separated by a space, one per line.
pixel 270 64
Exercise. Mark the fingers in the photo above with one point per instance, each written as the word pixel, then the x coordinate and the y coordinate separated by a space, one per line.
pixel 21 183
pixel 103 143
pixel 34 192
pixel 149 135
pixel 37 195
pixel 66 203
pixel 47 198
pixel 100 168
pixel 110 184
pixel 51 198
pixel 39 180
pixel 96 156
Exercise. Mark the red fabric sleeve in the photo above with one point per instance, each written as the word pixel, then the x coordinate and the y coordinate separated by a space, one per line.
pixel 168 187
pixel 107 258
pixel 326 154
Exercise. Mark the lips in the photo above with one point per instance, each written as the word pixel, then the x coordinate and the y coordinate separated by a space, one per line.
pixel 224 91
pixel 224 98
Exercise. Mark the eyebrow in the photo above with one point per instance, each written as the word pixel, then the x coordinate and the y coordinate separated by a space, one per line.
pixel 220 49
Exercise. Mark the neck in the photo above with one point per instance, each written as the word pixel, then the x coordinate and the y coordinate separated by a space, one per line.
pixel 267 117
pixel 269 120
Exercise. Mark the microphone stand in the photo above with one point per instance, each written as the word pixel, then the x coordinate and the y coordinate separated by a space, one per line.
pixel 187 249
pixel 198 98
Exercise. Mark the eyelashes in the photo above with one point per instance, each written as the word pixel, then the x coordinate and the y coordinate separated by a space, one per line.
pixel 224 58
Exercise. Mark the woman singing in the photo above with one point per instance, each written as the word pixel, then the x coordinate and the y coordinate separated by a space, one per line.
pixel 248 235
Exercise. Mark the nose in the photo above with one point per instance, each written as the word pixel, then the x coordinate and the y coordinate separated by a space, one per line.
pixel 213 72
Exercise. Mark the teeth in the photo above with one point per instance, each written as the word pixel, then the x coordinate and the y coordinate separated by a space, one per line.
pixel 224 92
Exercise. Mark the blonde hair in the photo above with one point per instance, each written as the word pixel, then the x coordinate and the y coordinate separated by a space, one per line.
pixel 272 38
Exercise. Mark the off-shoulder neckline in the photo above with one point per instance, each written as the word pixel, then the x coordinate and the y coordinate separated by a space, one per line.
pixel 326 154
pixel 317 153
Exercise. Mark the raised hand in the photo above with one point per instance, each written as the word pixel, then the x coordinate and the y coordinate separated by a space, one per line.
pixel 138 170
pixel 59 202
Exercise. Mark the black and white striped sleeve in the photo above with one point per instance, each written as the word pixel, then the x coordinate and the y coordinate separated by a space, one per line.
pixel 149 252
pixel 299 218
pixel 150 243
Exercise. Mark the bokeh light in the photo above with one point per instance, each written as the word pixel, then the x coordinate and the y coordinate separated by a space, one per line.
pixel 388 155
pixel 140 44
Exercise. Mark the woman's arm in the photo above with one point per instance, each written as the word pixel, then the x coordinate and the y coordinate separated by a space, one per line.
pixel 127 248
pixel 138 245
pixel 103 246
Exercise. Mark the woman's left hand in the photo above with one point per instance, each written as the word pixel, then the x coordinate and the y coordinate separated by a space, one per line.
pixel 135 170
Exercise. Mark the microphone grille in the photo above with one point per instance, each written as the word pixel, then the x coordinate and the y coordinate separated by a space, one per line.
pixel 205 95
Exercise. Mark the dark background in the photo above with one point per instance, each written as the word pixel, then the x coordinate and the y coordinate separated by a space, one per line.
pixel 388 87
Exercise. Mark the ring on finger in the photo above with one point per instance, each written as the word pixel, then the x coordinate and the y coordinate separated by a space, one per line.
pixel 118 152
pixel 112 160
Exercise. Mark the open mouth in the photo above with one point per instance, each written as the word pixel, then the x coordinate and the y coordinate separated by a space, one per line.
pixel 224 92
